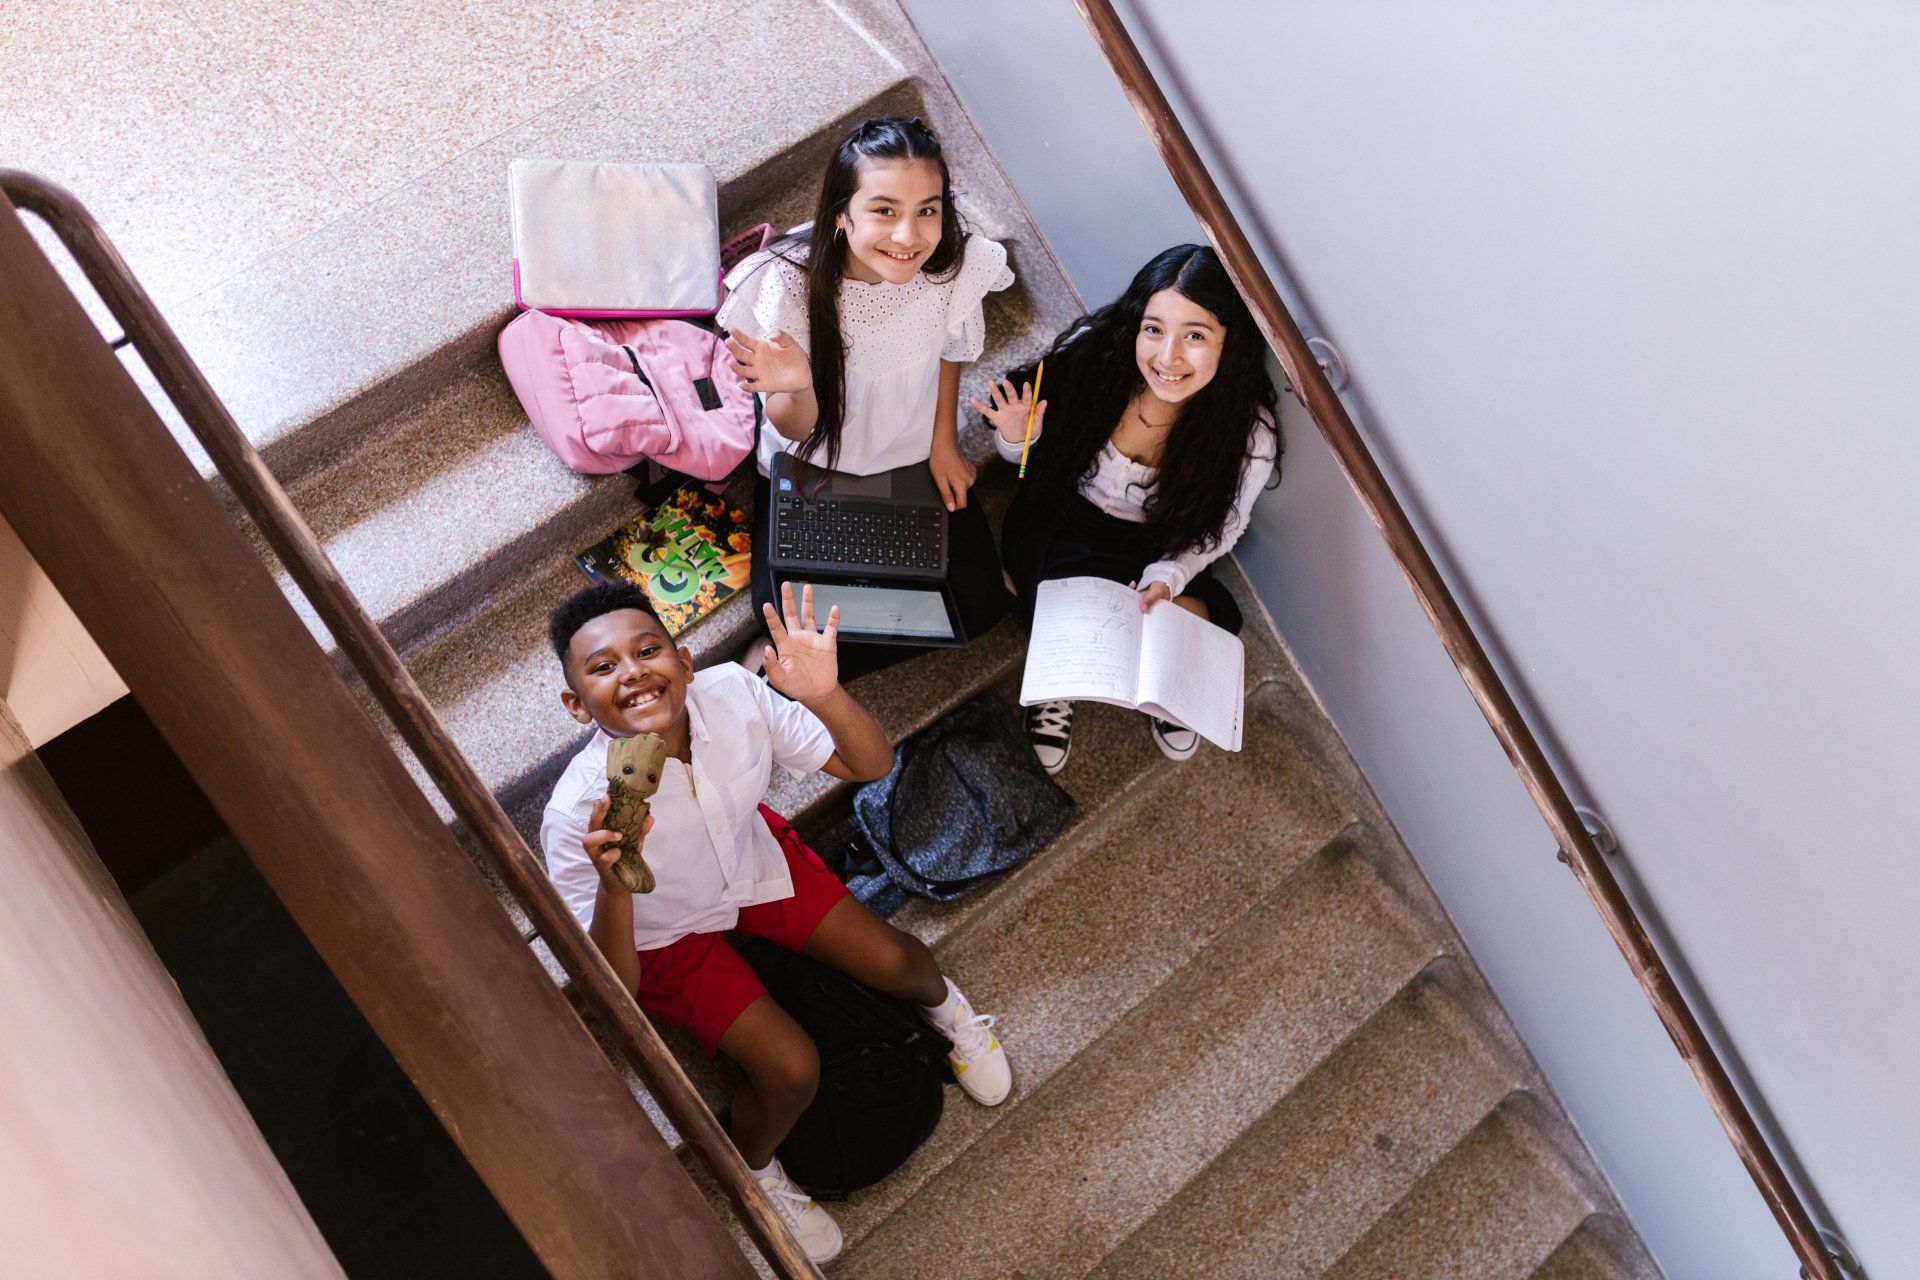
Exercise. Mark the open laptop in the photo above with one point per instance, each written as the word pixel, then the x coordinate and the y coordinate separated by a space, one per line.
pixel 874 545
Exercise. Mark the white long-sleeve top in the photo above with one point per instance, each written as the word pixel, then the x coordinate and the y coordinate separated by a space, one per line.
pixel 1120 487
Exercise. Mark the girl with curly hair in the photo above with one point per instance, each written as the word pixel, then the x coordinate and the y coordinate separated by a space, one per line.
pixel 1147 472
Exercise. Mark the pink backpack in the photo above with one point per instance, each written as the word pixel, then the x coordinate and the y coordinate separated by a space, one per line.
pixel 605 394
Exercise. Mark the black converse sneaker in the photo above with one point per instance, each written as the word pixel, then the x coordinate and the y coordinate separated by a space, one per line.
pixel 1175 743
pixel 1050 733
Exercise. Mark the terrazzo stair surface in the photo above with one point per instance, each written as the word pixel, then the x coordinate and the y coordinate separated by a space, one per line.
pixel 1495 1208
pixel 339 330
pixel 1161 1092
pixel 1601 1248
pixel 1066 946
pixel 1311 1176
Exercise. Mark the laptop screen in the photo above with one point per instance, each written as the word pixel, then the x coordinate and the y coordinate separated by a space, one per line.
pixel 901 612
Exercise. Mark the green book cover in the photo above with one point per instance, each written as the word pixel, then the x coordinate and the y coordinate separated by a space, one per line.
pixel 690 553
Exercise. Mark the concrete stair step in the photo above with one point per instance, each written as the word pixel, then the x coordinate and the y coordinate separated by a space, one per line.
pixel 1601 1248
pixel 1112 754
pixel 448 503
pixel 1110 1137
pixel 904 699
pixel 1311 1176
pixel 316 345
pixel 1065 946
pixel 1495 1208
pixel 458 498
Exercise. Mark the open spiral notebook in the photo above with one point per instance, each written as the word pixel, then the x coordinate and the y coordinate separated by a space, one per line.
pixel 1091 642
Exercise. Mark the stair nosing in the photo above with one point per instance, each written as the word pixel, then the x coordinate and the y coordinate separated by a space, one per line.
pixel 1549 1162
pixel 1321 860
pixel 1457 1025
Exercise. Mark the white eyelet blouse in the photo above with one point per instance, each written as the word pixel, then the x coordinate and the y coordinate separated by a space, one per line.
pixel 896 335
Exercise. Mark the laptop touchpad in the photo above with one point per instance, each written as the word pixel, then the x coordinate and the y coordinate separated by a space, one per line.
pixel 875 486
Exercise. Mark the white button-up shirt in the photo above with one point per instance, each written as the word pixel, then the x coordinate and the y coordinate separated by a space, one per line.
pixel 710 850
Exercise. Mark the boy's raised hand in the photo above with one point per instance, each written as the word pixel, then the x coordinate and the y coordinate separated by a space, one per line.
pixel 771 364
pixel 802 663
pixel 603 845
pixel 1008 411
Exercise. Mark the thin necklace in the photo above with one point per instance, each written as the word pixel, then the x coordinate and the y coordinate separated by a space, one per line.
pixel 1133 407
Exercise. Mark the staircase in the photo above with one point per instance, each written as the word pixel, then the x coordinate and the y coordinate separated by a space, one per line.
pixel 1247 1042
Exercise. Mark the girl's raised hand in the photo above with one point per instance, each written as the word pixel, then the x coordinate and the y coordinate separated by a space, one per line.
pixel 1155 592
pixel 771 364
pixel 802 663
pixel 1008 412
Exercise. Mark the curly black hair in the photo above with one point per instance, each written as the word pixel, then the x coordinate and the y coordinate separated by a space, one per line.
pixel 1092 375
pixel 588 603
pixel 825 256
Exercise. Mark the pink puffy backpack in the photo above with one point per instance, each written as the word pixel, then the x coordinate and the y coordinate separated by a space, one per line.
pixel 605 394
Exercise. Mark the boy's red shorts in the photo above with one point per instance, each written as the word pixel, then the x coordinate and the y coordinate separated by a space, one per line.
pixel 701 983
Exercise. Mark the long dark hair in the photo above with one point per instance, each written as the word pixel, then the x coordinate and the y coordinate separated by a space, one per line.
pixel 1092 375
pixel 881 138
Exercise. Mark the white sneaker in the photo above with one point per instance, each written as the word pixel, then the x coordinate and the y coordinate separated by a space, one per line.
pixel 978 1061
pixel 812 1226
pixel 1175 743
pixel 1050 733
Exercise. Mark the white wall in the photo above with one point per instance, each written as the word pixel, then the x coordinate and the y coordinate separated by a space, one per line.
pixel 1625 291
pixel 52 675
pixel 124 1150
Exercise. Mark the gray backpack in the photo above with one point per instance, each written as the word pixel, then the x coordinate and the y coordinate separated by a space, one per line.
pixel 966 801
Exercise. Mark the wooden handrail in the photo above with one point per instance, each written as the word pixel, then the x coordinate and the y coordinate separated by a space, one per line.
pixel 1302 368
pixel 401 697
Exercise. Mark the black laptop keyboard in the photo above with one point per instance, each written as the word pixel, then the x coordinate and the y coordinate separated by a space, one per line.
pixel 834 531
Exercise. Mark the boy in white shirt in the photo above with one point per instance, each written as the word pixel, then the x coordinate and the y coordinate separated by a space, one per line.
pixel 721 861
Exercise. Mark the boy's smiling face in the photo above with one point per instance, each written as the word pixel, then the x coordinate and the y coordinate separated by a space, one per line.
pixel 624 674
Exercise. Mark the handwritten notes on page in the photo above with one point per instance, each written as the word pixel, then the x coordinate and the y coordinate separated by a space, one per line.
pixel 1085 643
pixel 1194 672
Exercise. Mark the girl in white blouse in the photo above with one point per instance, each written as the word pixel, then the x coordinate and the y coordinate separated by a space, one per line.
pixel 886 268
pixel 1147 472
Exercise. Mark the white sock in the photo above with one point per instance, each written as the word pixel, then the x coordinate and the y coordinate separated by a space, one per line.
pixel 773 1167
pixel 947 1010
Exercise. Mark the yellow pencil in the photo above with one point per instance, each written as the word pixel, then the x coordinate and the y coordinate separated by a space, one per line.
pixel 1028 442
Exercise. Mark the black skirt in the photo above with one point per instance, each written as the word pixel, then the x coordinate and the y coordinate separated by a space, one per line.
pixel 1040 541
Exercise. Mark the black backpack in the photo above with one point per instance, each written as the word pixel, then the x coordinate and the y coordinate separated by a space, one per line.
pixel 882 1072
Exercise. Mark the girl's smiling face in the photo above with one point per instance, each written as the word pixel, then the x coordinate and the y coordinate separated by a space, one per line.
pixel 1178 346
pixel 892 224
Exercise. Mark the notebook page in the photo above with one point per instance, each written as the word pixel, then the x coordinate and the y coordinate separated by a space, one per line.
pixel 1195 672
pixel 1085 642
